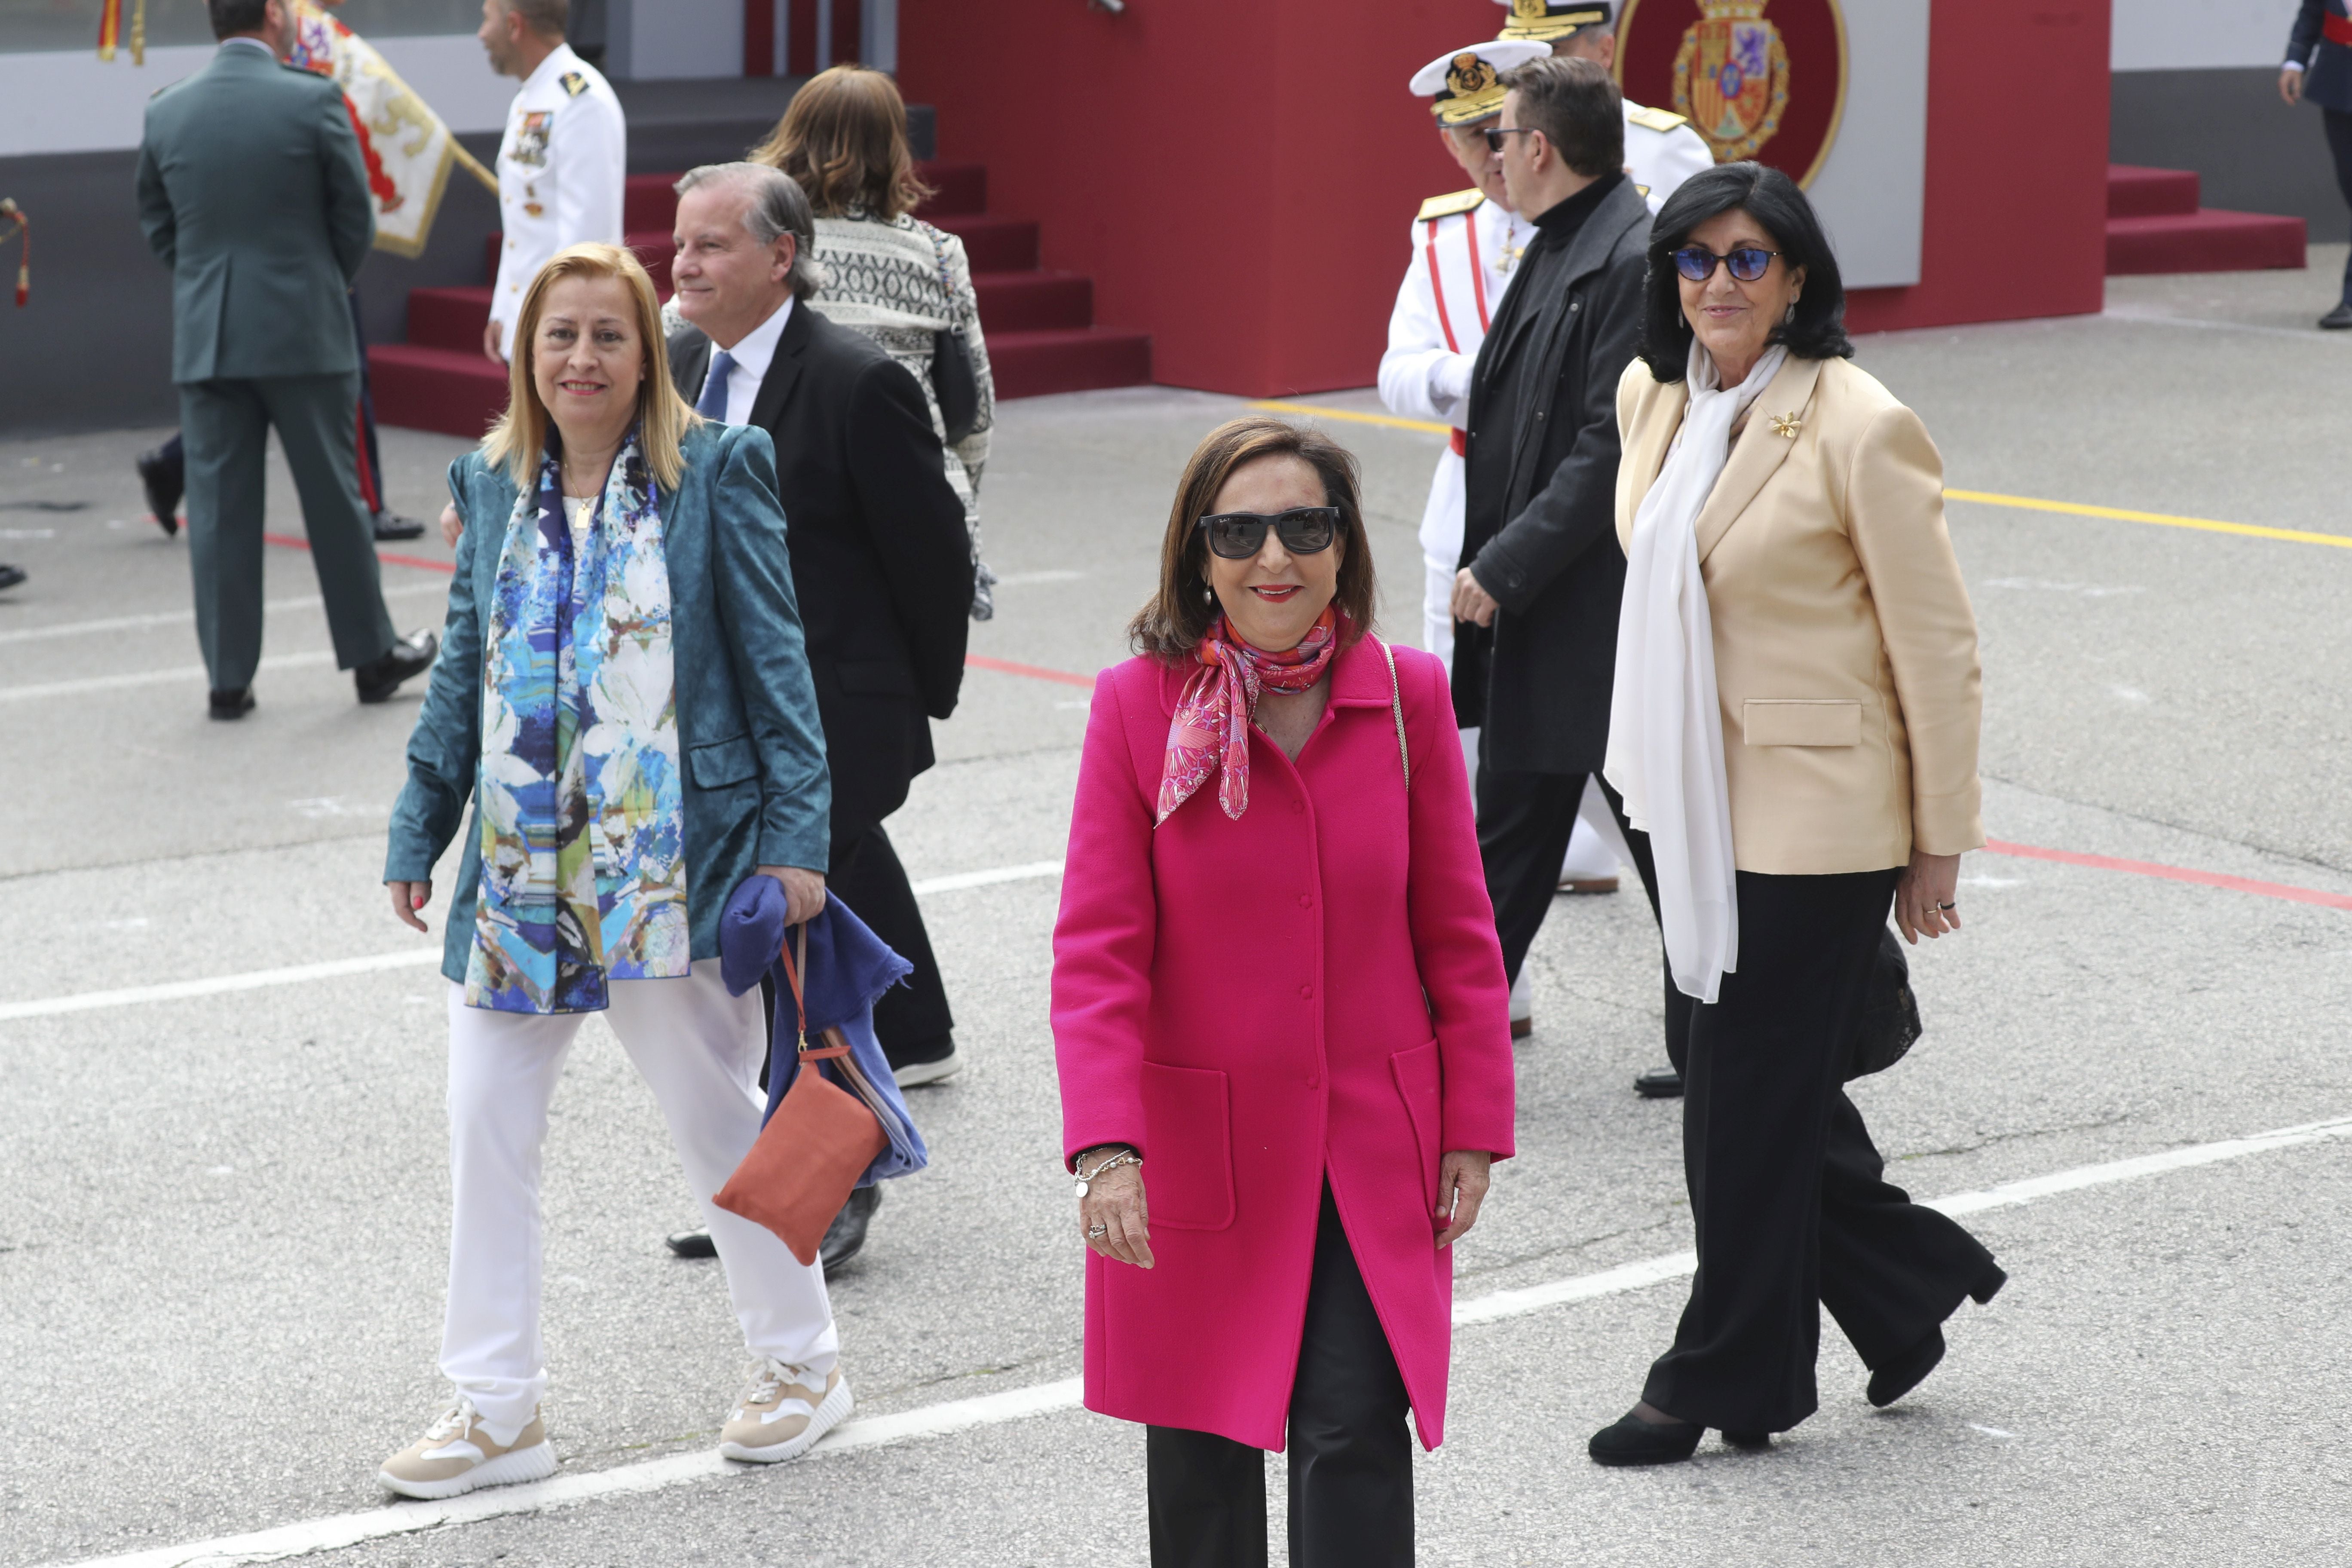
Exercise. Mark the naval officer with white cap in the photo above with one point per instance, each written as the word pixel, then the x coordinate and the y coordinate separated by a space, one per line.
pixel 1661 149
pixel 562 166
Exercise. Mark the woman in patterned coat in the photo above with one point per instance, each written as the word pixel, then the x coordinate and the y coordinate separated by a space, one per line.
pixel 889 274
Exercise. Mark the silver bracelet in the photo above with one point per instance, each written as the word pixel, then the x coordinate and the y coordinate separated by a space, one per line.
pixel 1124 1157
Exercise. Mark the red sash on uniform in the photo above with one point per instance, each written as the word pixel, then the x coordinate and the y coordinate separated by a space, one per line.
pixel 1459 440
pixel 2336 29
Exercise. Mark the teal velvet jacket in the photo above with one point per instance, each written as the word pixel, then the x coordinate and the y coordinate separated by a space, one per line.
pixel 756 790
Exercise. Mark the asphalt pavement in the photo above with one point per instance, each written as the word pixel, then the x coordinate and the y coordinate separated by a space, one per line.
pixel 222 1214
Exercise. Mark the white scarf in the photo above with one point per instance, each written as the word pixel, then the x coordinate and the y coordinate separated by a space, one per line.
pixel 1666 725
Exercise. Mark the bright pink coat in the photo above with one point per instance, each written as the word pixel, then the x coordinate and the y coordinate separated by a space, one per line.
pixel 1313 990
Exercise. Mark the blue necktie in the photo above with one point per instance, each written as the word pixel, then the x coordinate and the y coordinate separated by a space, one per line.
pixel 712 404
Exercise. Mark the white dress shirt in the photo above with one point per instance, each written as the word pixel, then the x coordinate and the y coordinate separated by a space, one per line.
pixel 751 354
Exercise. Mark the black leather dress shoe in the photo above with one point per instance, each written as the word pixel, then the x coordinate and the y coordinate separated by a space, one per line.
pixel 1907 1372
pixel 2338 319
pixel 1751 1441
pixel 11 575
pixel 233 704
pixel 1659 1083
pixel 693 1244
pixel 165 482
pixel 412 655
pixel 1633 1441
pixel 391 526
pixel 846 1235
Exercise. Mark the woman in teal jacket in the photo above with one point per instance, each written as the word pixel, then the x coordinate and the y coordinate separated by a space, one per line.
pixel 625 702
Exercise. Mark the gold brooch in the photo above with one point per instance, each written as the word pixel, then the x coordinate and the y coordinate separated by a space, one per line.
pixel 1787 424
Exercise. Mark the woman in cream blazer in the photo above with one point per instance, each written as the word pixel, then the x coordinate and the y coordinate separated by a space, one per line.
pixel 1783 516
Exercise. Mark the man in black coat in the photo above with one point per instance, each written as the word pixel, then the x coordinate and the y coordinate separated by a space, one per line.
pixel 1535 604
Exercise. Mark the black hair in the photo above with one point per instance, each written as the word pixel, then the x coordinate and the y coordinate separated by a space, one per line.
pixel 1576 107
pixel 1773 200
pixel 230 18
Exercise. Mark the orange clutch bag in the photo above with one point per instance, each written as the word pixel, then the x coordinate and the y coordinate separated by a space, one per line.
pixel 809 1158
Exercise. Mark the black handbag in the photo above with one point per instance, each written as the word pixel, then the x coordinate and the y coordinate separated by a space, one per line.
pixel 1889 1024
pixel 954 383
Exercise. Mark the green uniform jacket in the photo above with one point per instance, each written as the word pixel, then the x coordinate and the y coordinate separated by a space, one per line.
pixel 756 790
pixel 252 191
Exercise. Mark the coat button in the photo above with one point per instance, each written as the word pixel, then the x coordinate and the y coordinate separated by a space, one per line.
pixel 1298 805
pixel 1306 902
pixel 1313 1081
pixel 1306 992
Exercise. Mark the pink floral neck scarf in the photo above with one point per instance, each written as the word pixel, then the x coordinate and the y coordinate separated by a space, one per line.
pixel 1213 713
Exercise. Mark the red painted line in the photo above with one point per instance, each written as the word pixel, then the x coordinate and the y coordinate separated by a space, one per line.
pixel 1034 672
pixel 2174 874
pixel 447 568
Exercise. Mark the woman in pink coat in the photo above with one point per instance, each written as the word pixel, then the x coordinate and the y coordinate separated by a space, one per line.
pixel 1280 1017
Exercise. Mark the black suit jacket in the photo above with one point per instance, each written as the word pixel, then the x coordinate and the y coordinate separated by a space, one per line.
pixel 1539 530
pixel 881 562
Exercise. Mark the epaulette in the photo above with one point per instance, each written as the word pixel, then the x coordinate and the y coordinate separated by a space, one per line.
pixel 1446 207
pixel 1656 118
pixel 576 84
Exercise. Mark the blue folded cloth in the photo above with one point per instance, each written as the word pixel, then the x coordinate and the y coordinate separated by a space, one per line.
pixel 848 969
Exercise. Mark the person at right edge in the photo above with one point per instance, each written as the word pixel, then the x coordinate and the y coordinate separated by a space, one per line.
pixel 2318 69
pixel 1794 735
pixel 1535 597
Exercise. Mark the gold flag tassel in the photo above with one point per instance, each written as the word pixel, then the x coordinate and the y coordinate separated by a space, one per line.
pixel 10 212
pixel 110 28
pixel 138 31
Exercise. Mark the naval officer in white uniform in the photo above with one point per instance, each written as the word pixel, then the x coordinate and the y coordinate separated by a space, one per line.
pixel 1465 248
pixel 1662 151
pixel 564 164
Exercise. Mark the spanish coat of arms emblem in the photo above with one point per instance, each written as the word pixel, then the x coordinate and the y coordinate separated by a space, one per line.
pixel 1731 77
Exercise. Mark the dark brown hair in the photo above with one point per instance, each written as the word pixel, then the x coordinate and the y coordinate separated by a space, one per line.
pixel 1576 105
pixel 1172 623
pixel 844 137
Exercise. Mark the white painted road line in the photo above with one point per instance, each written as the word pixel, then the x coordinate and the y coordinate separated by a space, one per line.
pixel 187 617
pixel 296 975
pixel 150 677
pixel 1045 1398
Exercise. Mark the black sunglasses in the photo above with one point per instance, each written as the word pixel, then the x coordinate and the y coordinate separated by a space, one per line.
pixel 1495 135
pixel 1303 529
pixel 1748 263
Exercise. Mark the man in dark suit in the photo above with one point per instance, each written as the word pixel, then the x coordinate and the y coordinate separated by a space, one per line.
pixel 251 189
pixel 1535 603
pixel 2318 69
pixel 880 558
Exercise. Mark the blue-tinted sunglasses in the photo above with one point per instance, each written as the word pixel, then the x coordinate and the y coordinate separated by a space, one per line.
pixel 1748 263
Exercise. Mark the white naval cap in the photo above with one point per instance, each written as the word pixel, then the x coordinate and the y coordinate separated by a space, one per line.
pixel 1467 83
pixel 1551 20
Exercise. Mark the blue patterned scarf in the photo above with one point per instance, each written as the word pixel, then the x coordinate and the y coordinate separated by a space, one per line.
pixel 582 817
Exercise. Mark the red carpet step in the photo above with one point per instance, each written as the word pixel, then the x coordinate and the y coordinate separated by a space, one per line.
pixel 1040 324
pixel 2155 225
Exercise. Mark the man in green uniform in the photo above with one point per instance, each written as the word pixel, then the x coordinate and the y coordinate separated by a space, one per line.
pixel 252 191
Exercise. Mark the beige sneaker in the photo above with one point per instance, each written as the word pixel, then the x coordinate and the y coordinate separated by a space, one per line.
pixel 781 1415
pixel 456 1454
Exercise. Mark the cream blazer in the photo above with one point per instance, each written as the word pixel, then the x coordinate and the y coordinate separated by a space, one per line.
pixel 1845 651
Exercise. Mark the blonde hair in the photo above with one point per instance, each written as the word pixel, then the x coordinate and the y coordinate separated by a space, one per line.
pixel 844 140
pixel 518 440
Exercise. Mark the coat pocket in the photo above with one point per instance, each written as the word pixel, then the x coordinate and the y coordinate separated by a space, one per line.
pixel 720 763
pixel 1793 721
pixel 1421 1084
pixel 1188 1149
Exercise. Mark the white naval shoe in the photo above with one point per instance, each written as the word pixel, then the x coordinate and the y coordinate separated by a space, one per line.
pixel 458 1455
pixel 780 1413
pixel 1523 1006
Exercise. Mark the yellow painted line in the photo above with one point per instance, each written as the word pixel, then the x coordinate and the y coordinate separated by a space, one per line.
pixel 1352 416
pixel 1982 498
pixel 2162 519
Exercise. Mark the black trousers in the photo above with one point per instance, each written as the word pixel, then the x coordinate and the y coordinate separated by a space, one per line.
pixel 1350 1453
pixel 2340 146
pixel 1788 1195
pixel 1523 823
pixel 911 1021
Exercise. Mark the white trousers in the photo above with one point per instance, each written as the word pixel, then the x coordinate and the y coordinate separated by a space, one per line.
pixel 700 1050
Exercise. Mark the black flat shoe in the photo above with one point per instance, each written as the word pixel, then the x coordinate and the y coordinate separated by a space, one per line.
pixel 1633 1441
pixel 2338 319
pixel 1988 1285
pixel 1659 1083
pixel 11 575
pixel 232 704
pixel 164 481
pixel 392 528
pixel 379 678
pixel 1751 1441
pixel 847 1236
pixel 692 1244
pixel 1899 1377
